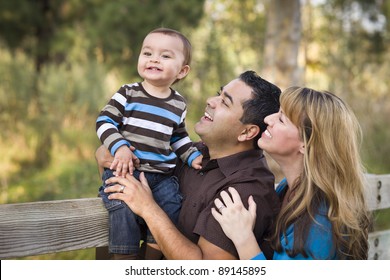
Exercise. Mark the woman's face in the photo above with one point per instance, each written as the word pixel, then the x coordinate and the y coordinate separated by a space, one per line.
pixel 281 139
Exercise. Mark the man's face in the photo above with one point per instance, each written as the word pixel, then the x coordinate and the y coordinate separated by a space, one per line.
pixel 220 126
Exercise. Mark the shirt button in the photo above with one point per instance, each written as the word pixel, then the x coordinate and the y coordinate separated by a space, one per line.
pixel 201 173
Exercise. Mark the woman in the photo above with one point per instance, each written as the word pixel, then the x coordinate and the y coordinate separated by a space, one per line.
pixel 314 139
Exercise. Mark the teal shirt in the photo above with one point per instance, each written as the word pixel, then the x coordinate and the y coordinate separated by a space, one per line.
pixel 319 243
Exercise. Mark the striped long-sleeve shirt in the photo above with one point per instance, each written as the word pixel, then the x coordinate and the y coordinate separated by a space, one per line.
pixel 154 126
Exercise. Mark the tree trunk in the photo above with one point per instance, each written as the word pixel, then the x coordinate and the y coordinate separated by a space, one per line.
pixel 283 38
pixel 44 34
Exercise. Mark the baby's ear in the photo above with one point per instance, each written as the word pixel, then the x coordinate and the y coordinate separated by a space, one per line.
pixel 184 72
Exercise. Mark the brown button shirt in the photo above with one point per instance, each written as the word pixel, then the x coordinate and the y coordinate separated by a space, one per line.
pixel 248 173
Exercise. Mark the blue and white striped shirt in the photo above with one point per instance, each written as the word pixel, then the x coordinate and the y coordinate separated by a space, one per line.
pixel 155 127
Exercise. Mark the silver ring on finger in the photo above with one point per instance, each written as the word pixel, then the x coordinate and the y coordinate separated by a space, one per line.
pixel 122 189
pixel 221 207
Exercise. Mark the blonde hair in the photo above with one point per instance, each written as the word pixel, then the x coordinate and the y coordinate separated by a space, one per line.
pixel 332 173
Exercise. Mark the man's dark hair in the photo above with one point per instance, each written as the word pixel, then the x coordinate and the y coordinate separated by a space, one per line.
pixel 264 102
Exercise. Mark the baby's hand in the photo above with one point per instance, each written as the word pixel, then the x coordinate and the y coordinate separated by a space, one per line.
pixel 197 162
pixel 124 161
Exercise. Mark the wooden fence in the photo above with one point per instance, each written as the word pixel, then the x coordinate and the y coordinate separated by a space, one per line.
pixel 28 229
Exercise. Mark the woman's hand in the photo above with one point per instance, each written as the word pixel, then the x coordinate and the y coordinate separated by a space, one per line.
pixel 136 194
pixel 237 222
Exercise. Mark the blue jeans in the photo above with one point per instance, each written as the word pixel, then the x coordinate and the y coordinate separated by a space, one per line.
pixel 125 227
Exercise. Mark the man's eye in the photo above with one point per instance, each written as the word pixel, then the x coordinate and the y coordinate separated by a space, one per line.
pixel 224 103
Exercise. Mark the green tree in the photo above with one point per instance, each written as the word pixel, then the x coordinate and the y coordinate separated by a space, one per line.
pixel 117 28
pixel 37 29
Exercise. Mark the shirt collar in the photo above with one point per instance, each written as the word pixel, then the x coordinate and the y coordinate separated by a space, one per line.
pixel 230 164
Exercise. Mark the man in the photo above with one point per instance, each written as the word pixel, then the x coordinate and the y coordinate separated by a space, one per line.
pixel 232 124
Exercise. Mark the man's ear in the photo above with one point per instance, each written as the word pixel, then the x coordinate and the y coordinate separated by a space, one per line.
pixel 250 132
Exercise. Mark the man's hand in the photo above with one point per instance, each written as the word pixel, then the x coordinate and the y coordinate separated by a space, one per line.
pixel 136 194
pixel 103 158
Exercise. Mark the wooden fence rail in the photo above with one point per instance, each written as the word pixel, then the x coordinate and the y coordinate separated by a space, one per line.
pixel 28 229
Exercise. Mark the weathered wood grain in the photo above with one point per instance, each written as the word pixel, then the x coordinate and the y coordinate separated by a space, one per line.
pixel 28 229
